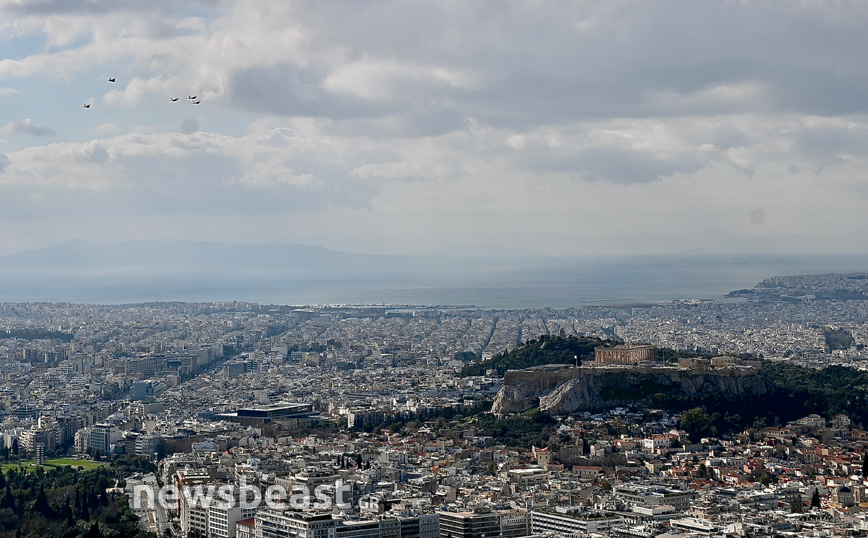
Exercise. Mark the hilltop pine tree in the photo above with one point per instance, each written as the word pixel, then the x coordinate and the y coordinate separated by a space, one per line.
pixel 40 505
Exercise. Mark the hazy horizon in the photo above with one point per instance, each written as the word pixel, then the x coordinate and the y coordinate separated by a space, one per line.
pixel 136 272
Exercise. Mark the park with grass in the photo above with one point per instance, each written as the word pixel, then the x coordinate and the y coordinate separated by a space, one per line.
pixel 28 464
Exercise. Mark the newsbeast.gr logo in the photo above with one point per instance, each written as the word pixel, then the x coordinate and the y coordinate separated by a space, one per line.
pixel 244 495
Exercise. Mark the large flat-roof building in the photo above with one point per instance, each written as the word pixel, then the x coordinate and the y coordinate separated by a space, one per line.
pixel 653 495
pixel 276 523
pixel 469 525
pixel 564 523
pixel 256 416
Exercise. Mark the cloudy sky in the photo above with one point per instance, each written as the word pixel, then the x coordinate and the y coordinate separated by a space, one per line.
pixel 403 127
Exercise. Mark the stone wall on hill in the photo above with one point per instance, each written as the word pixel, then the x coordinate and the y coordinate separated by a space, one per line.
pixel 561 389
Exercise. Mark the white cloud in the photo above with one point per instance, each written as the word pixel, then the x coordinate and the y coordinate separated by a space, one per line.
pixel 389 80
pixel 665 175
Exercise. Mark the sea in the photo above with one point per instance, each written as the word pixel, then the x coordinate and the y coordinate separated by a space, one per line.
pixel 497 283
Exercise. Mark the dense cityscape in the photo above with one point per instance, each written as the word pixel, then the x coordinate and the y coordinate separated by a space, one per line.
pixel 384 269
pixel 367 410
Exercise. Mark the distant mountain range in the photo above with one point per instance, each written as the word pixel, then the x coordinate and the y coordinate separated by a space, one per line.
pixel 284 259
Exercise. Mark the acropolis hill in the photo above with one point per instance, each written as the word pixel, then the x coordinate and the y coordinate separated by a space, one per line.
pixel 562 389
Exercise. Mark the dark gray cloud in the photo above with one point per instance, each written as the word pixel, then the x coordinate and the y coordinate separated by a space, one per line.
pixel 290 91
pixel 831 138
pixel 547 62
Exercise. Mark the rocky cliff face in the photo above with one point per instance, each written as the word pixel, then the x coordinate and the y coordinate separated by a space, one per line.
pixel 563 389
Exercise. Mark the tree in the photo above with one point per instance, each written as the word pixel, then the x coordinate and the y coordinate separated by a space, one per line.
pixel 40 505
pixel 66 512
pixel 865 464
pixel 815 498
pixel 695 422
pixel 162 448
pixel 8 498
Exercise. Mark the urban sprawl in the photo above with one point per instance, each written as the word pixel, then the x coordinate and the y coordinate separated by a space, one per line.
pixel 354 421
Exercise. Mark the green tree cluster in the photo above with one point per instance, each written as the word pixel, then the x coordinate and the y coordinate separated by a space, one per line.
pixel 544 350
pixel 797 392
pixel 65 502
pixel 838 338
pixel 36 334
